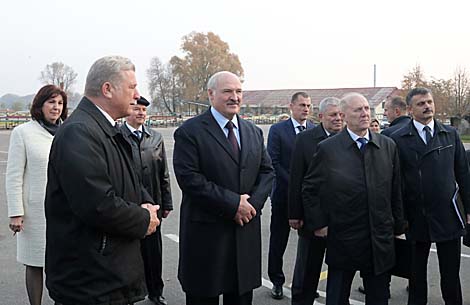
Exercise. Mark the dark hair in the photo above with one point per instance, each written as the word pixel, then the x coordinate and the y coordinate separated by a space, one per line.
pixel 374 120
pixel 416 91
pixel 45 93
pixel 297 94
pixel 398 102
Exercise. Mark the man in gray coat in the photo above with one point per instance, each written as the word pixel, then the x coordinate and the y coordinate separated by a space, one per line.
pixel 149 157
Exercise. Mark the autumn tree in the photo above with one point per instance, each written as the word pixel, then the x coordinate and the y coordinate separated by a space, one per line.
pixel 59 74
pixel 442 94
pixel 204 55
pixel 164 85
pixel 414 78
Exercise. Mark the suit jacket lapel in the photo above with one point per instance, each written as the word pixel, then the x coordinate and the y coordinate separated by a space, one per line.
pixel 216 132
pixel 244 136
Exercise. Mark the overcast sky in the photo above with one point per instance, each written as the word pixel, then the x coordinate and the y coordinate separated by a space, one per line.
pixel 281 44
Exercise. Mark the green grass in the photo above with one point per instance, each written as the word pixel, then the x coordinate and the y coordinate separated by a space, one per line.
pixel 465 138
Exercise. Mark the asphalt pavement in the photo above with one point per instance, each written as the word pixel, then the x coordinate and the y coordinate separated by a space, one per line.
pixel 13 291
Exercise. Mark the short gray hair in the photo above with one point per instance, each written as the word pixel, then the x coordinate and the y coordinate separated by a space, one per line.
pixel 213 81
pixel 347 98
pixel 106 69
pixel 327 101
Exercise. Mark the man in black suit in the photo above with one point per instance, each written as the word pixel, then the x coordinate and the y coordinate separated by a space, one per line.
pixel 310 249
pixel 397 115
pixel 281 141
pixel 225 174
pixel 434 170
pixel 351 194
pixel 149 156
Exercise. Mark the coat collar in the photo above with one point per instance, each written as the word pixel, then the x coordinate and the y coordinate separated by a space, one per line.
pixel 213 128
pixel 87 106
pixel 400 120
pixel 349 143
pixel 410 135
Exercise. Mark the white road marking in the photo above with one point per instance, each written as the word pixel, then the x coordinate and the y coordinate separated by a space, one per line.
pixel 266 283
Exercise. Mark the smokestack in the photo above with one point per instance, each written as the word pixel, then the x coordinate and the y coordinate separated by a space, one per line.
pixel 375 75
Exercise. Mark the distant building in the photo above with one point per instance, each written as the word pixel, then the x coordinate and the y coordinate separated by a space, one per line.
pixel 256 102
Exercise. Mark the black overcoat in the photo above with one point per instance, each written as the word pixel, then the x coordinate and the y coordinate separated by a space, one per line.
pixel 304 150
pixel 430 175
pixel 216 254
pixel 358 197
pixel 94 221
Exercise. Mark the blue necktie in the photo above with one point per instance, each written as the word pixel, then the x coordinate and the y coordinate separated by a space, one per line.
pixel 301 128
pixel 138 134
pixel 427 131
pixel 363 142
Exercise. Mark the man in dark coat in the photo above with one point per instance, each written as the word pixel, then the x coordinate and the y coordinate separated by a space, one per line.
pixel 225 174
pixel 281 140
pixel 149 157
pixel 351 194
pixel 434 171
pixel 310 249
pixel 94 215
pixel 397 115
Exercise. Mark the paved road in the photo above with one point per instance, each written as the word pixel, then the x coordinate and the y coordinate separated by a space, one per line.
pixel 12 289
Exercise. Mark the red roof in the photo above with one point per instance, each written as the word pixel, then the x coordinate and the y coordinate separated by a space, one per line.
pixel 375 95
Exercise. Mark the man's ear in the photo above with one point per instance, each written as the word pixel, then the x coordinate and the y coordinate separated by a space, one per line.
pixel 106 90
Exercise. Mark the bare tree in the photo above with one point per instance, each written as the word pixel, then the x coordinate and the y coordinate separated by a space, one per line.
pixel 59 74
pixel 164 85
pixel 461 92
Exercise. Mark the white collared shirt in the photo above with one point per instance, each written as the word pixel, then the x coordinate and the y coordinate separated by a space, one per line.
pixel 106 115
pixel 420 128
pixel 355 137
pixel 222 121
pixel 296 124
pixel 132 129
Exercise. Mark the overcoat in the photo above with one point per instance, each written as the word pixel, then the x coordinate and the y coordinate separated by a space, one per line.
pixel 431 177
pixel 304 150
pixel 357 195
pixel 93 219
pixel 396 124
pixel 25 185
pixel 153 169
pixel 216 255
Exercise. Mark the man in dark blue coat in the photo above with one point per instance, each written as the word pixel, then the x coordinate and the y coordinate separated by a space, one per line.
pixel 434 170
pixel 310 249
pixel 225 174
pixel 281 140
pixel 396 112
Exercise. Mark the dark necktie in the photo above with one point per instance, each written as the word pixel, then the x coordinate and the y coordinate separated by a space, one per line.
pixel 363 142
pixel 232 138
pixel 301 128
pixel 138 134
pixel 427 131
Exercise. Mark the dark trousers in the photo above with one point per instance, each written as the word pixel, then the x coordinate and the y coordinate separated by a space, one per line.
pixel 229 299
pixel 339 287
pixel 278 239
pixel 448 254
pixel 308 263
pixel 151 248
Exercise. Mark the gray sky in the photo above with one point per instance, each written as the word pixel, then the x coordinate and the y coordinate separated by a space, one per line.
pixel 281 44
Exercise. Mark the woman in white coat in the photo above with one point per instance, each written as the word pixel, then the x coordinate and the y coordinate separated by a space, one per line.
pixel 26 179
